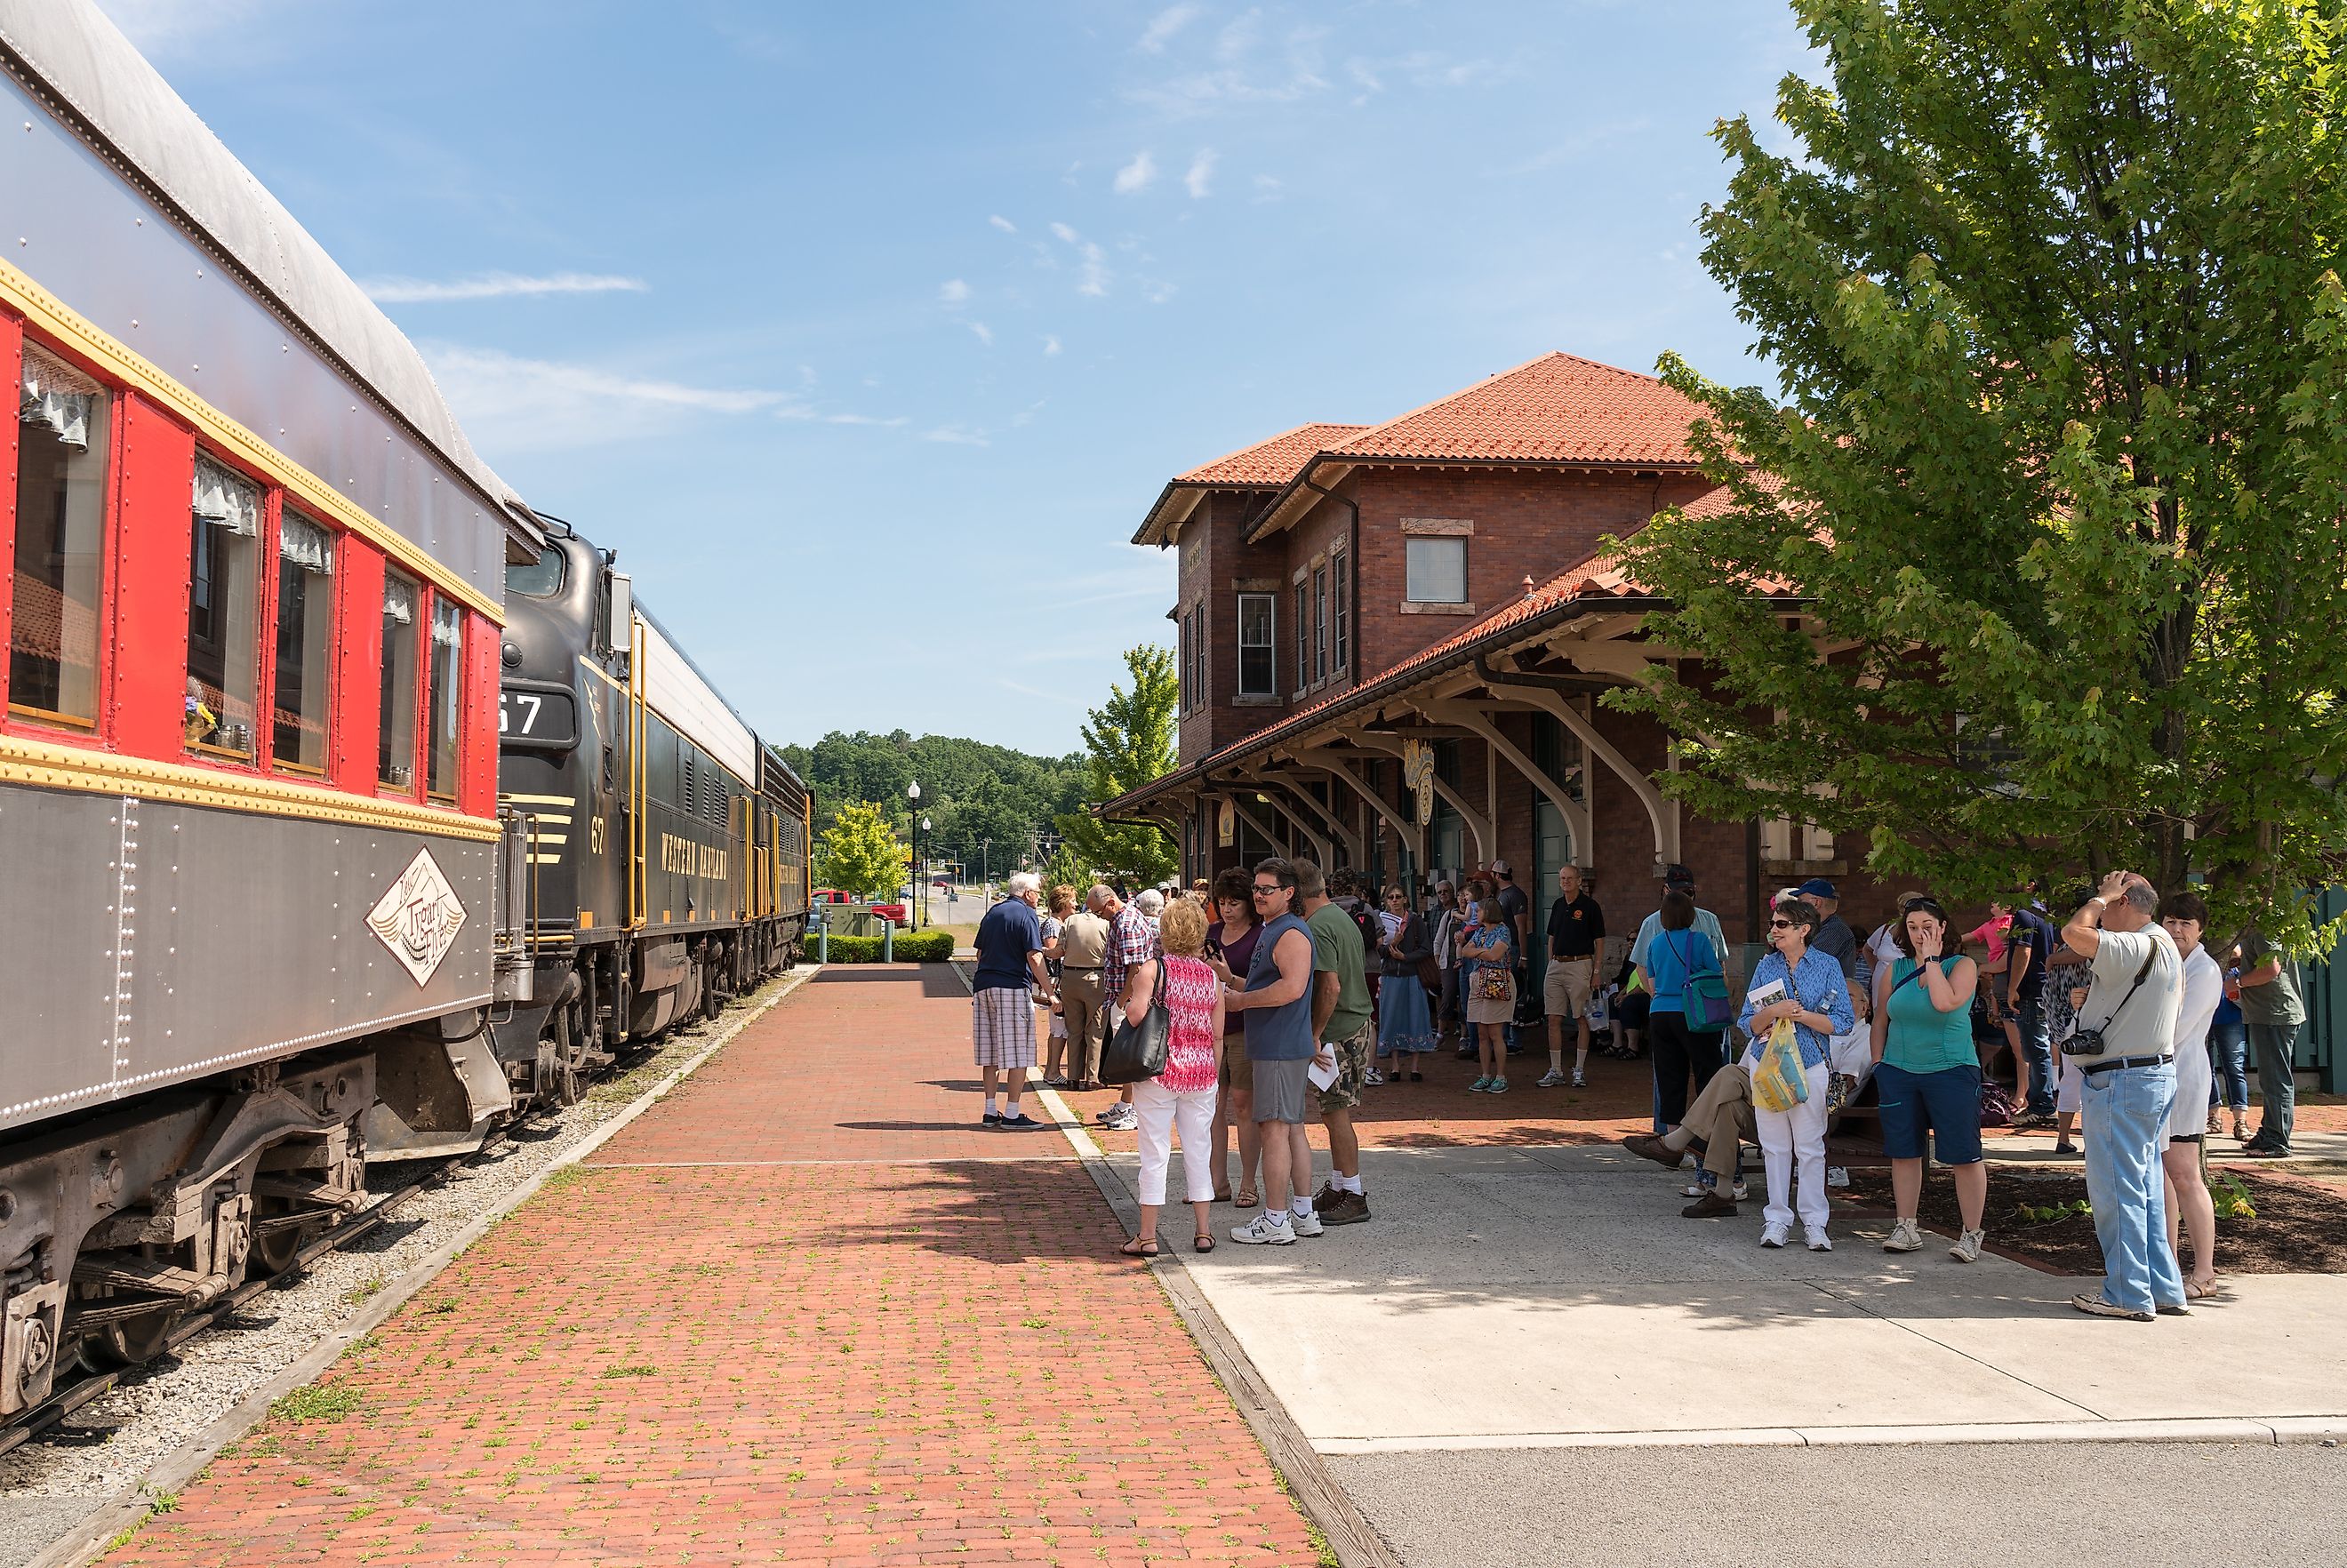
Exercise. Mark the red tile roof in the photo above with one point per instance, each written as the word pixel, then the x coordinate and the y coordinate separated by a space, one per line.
pixel 1558 409
pixel 1271 464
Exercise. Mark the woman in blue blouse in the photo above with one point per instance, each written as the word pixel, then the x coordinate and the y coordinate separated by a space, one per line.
pixel 1817 1000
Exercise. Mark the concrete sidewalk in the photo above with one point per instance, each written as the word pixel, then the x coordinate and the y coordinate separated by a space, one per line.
pixel 1552 1296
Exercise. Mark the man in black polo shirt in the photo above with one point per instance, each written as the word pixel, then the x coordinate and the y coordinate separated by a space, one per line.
pixel 1575 927
pixel 2029 944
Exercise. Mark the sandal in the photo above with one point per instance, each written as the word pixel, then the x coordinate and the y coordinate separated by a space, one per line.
pixel 1247 1198
pixel 1221 1197
pixel 1140 1246
pixel 2196 1291
pixel 1201 1242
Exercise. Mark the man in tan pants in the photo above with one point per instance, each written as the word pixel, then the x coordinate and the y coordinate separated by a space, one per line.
pixel 1083 949
pixel 1719 1123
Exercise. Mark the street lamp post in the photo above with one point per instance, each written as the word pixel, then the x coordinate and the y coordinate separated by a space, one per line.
pixel 913 794
pixel 922 872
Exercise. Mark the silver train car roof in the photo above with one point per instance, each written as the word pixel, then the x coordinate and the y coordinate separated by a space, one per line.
pixel 70 49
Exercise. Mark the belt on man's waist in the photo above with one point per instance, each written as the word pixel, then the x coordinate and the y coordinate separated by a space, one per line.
pixel 2125 1061
pixel 1091 972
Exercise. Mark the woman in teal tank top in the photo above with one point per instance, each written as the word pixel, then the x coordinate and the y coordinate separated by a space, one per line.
pixel 1927 1076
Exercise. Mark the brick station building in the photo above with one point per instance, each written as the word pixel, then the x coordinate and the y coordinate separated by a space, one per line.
pixel 1365 607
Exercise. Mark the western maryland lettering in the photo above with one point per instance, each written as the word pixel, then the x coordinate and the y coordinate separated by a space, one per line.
pixel 683 857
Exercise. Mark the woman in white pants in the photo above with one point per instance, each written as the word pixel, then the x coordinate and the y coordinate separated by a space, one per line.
pixel 1182 1096
pixel 1808 988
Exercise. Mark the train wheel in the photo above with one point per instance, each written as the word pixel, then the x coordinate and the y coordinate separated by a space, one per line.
pixel 567 1086
pixel 131 1341
pixel 275 1246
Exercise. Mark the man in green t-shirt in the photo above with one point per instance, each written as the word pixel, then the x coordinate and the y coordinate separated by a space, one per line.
pixel 1341 1023
pixel 2271 1015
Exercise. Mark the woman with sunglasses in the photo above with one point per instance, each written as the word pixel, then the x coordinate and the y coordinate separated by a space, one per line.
pixel 1811 993
pixel 1490 951
pixel 1404 1023
pixel 1927 1076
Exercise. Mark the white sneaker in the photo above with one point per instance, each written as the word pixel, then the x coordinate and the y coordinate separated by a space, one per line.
pixel 1741 1192
pixel 1816 1238
pixel 1693 1190
pixel 1904 1237
pixel 1579 1079
pixel 1552 1079
pixel 1264 1230
pixel 1772 1235
pixel 1372 1075
pixel 1305 1225
pixel 1837 1176
pixel 1968 1247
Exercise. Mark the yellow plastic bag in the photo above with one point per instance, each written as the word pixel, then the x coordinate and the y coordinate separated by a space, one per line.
pixel 1778 1081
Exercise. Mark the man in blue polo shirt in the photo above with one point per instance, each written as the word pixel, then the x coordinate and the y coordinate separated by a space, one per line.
pixel 1010 943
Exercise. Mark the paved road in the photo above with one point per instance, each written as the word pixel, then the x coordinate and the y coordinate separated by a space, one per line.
pixel 2134 1505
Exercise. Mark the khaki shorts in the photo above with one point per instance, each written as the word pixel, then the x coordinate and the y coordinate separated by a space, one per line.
pixel 1564 991
pixel 1238 1067
pixel 1352 1061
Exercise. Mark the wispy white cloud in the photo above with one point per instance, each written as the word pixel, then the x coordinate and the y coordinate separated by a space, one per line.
pixel 1573 149
pixel 1064 233
pixel 1268 188
pixel 1005 224
pixel 953 292
pixel 1156 290
pixel 1091 277
pixel 509 401
pixel 1051 344
pixel 865 419
pixel 1164 25
pixel 957 436
pixel 1137 175
pixel 497 286
pixel 1199 182
pixel 982 332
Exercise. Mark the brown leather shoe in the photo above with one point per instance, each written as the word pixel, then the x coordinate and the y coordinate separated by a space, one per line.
pixel 1349 1209
pixel 1710 1207
pixel 1647 1146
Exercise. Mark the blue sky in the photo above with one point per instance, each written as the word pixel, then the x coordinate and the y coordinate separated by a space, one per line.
pixel 867 333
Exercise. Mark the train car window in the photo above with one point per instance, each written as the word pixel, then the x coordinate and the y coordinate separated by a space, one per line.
pixel 403 631
pixel 223 613
pixel 53 640
pixel 305 610
pixel 539 579
pixel 446 699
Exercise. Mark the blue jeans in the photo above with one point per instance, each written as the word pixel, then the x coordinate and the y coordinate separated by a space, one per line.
pixel 2229 1071
pixel 2037 1050
pixel 2125 1114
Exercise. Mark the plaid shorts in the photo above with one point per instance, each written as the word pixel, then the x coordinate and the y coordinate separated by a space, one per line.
pixel 1002 1028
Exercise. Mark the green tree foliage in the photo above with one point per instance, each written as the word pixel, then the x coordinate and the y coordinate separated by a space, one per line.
pixel 2063 446
pixel 1128 741
pixel 970 791
pixel 860 853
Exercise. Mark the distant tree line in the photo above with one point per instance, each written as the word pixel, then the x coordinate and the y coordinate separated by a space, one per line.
pixel 970 791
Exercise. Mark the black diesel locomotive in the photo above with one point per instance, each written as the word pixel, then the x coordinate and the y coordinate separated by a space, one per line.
pixel 668 849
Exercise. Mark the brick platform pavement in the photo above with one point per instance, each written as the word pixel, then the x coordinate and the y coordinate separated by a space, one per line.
pixel 898 1340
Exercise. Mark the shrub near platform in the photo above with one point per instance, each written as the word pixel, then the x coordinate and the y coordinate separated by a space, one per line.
pixel 911 948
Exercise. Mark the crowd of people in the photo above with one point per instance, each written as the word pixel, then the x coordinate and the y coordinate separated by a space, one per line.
pixel 1289 991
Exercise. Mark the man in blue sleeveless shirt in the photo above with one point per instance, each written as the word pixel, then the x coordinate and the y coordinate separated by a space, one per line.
pixel 1274 999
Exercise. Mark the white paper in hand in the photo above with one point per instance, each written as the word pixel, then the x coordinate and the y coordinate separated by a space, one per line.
pixel 1766 993
pixel 1321 1077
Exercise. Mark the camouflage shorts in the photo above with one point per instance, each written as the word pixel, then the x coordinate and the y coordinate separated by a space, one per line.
pixel 1352 1061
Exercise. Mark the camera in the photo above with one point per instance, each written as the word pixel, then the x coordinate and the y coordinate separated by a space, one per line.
pixel 2084 1042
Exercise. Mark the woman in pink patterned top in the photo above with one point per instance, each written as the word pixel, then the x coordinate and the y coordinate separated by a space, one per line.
pixel 1183 1094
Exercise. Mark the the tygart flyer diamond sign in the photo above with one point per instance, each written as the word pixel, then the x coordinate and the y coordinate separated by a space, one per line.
pixel 418 918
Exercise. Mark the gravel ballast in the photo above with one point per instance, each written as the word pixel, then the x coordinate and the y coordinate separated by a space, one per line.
pixel 103 1450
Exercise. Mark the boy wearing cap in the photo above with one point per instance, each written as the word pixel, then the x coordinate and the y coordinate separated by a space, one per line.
pixel 1833 937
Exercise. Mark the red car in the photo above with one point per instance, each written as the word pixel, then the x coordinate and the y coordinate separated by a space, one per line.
pixel 894 912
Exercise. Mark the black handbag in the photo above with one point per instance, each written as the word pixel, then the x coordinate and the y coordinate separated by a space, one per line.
pixel 1137 1051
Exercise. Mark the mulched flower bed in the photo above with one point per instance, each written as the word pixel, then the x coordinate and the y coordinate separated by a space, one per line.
pixel 2301 1226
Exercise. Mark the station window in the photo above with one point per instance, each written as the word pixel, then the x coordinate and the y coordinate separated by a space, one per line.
pixel 1255 644
pixel 1319 624
pixel 448 675
pixel 1340 585
pixel 403 631
pixel 1435 570
pixel 305 608
pixel 223 613
pixel 53 642
pixel 1303 637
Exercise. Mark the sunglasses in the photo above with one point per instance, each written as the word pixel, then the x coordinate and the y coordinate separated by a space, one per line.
pixel 1265 890
pixel 1780 924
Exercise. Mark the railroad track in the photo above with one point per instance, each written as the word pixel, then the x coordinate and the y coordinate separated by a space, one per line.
pixel 28 1424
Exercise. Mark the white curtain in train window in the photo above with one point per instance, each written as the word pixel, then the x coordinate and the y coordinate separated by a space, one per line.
pixel 54 394
pixel 227 499
pixel 306 545
pixel 398 601
pixel 447 624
